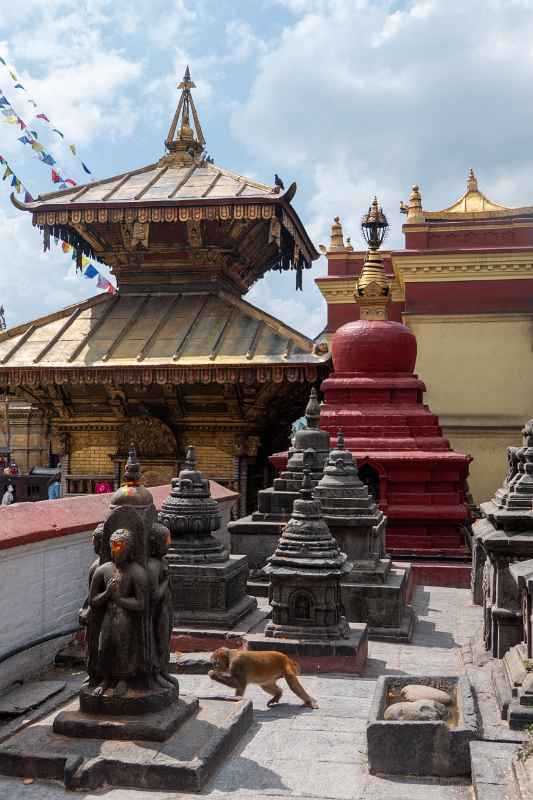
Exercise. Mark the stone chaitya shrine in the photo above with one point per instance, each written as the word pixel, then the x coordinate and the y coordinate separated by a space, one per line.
pixel 177 356
pixel 257 535
pixel 417 480
pixel 124 729
pixel 208 585
pixel 305 572
pixel 503 536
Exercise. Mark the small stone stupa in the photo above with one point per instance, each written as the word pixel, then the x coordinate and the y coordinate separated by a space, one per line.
pixel 502 568
pixel 503 536
pixel 208 585
pixel 257 534
pixel 372 591
pixel 305 572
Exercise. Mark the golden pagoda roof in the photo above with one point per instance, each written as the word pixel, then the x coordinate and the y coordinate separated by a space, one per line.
pixel 473 204
pixel 161 332
pixel 167 181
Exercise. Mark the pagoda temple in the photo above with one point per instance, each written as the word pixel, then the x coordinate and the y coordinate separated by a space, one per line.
pixel 177 356
pixel 464 286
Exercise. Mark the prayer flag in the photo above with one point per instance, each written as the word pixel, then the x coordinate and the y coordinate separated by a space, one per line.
pixel 13 75
pixel 56 178
pixel 66 247
pixel 24 140
pixel 70 182
pixel 4 101
pixel 19 86
pixel 87 170
pixel 7 173
pixel 37 146
pixel 84 261
pixel 34 134
pixel 92 272
pixel 11 120
pixel 27 197
pixel 21 123
pixel 18 186
pixel 59 132
pixel 47 158
pixel 3 62
pixel 14 180
pixel 62 185
pixel 34 104
pixel 72 148
pixel 43 116
pixel 2 160
pixel 103 283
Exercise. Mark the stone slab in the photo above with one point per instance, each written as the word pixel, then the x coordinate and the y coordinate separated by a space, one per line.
pixel 335 655
pixel 183 763
pixel 29 695
pixel 157 726
pixel 403 633
pixel 192 664
pixel 491 769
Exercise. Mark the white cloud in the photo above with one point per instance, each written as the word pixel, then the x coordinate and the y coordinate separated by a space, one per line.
pixel 367 98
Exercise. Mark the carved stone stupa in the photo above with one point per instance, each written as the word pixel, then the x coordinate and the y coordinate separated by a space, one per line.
pixel 503 536
pixel 257 534
pixel 208 585
pixel 305 573
pixel 372 591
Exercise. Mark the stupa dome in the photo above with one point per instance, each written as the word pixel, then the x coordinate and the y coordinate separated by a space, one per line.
pixel 374 346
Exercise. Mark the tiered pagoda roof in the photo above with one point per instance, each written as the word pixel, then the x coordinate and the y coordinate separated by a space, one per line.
pixel 185 239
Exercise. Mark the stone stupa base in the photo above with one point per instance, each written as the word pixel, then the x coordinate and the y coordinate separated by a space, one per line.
pixel 320 655
pixel 184 763
pixel 210 595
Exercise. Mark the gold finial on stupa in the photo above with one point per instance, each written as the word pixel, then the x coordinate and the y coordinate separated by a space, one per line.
pixel 182 141
pixel 471 184
pixel 337 239
pixel 373 287
pixel 413 209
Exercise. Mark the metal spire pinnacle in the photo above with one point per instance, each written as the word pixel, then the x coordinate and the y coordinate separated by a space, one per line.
pixel 182 139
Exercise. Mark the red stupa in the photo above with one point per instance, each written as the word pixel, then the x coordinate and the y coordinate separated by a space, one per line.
pixel 374 396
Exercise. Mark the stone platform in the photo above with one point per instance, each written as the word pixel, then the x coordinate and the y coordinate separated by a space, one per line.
pixel 347 656
pixel 184 762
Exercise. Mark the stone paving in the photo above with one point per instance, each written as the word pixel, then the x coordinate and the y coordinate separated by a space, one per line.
pixel 298 753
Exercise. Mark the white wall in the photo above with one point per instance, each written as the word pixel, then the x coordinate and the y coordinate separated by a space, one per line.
pixel 42 587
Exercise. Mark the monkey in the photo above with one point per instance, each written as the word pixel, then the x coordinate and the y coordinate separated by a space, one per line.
pixel 238 668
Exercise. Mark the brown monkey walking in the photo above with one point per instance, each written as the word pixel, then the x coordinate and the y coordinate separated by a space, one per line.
pixel 238 668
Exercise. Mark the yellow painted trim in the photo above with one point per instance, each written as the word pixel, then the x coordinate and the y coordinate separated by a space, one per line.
pixel 477 225
pixel 430 319
pixel 336 291
pixel 488 266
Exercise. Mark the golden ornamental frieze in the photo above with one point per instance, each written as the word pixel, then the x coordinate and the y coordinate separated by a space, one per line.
pixel 223 212
pixel 28 376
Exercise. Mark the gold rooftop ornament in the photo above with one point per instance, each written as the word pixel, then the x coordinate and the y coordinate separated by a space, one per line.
pixel 372 290
pixel 187 145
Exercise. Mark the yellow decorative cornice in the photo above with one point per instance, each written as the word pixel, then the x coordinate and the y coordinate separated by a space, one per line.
pixel 463 267
pixel 337 290
pixel 342 290
pixel 471 319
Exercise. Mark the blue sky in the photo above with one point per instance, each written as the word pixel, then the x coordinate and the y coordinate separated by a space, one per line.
pixel 347 97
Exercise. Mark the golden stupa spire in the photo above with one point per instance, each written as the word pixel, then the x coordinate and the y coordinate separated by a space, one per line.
pixel 471 184
pixel 337 239
pixel 182 140
pixel 372 291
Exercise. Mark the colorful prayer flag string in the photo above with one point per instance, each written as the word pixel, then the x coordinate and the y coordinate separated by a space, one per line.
pixel 42 116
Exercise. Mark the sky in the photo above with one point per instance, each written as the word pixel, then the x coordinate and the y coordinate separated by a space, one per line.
pixel 349 98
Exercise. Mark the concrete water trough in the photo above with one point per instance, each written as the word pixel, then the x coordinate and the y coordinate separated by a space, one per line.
pixel 439 748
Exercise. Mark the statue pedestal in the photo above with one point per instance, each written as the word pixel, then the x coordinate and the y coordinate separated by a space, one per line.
pixel 79 758
pixel 153 726
pixel 211 595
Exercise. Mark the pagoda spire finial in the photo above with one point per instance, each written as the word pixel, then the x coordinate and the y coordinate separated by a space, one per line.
pixel 182 140
pixel 471 184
